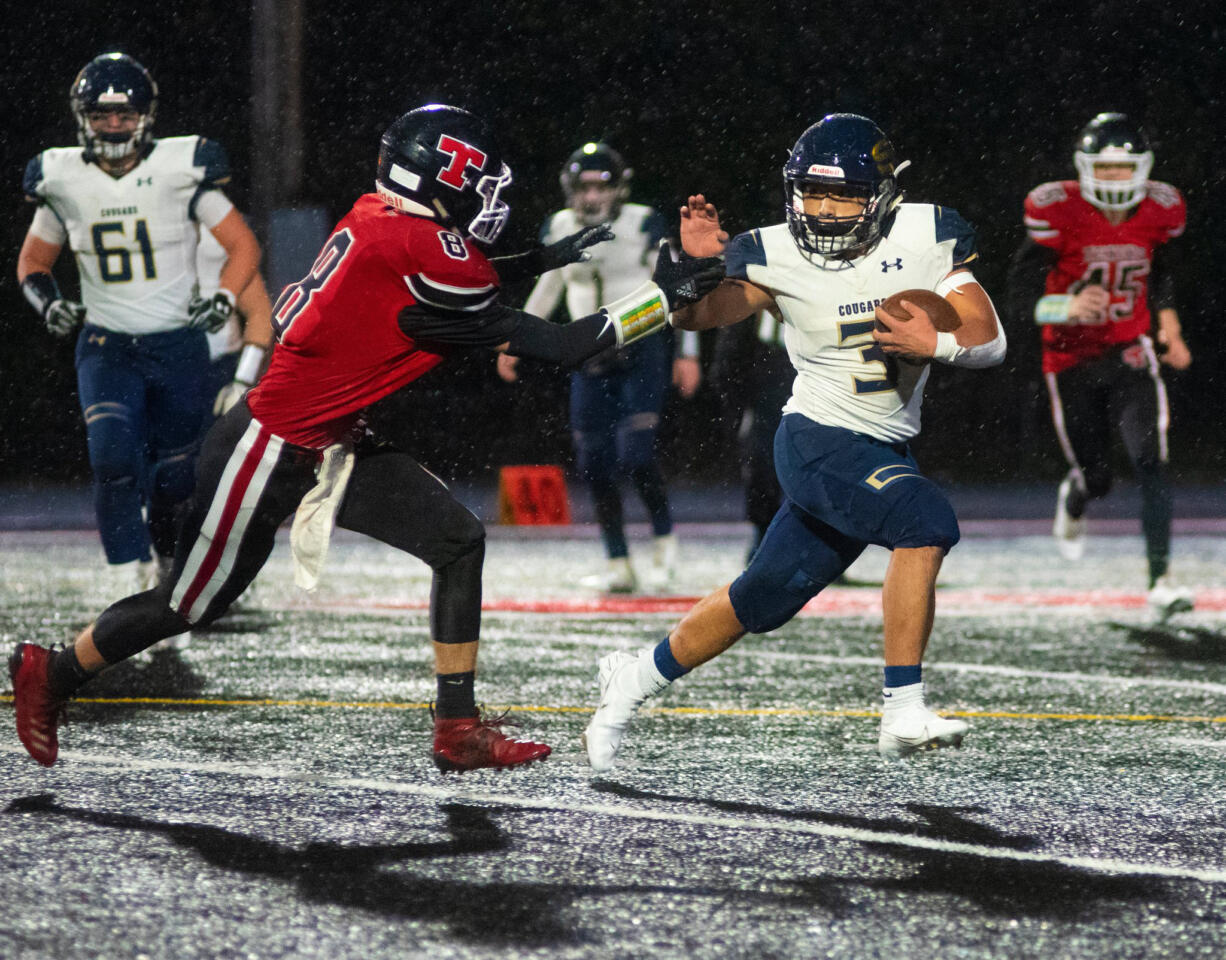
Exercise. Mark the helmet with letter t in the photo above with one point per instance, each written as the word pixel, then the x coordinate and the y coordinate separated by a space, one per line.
pixel 1112 140
pixel 846 155
pixel 444 163
pixel 113 83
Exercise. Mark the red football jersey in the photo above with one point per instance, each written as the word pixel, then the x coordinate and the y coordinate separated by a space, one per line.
pixel 339 345
pixel 1092 251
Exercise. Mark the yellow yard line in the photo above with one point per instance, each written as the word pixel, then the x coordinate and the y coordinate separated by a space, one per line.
pixel 666 711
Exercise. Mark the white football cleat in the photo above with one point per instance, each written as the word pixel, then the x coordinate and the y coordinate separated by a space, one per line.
pixel 1167 598
pixel 619 702
pixel 916 728
pixel 619 578
pixel 1069 531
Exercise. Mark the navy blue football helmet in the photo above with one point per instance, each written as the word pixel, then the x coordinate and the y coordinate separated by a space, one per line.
pixel 850 155
pixel 443 163
pixel 113 82
pixel 1113 138
pixel 601 159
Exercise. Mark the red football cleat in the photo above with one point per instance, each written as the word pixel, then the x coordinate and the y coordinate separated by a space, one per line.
pixel 467 743
pixel 38 710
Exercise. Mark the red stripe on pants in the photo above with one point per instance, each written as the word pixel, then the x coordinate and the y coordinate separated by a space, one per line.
pixel 234 500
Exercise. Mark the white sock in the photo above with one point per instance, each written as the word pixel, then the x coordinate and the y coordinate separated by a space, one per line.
pixel 897 699
pixel 648 677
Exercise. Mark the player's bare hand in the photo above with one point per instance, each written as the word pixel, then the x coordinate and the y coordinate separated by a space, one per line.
pixel 1089 305
pixel 507 367
pixel 701 235
pixel 1177 356
pixel 914 339
pixel 686 376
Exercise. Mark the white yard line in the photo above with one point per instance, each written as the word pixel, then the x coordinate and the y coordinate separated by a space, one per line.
pixel 1103 865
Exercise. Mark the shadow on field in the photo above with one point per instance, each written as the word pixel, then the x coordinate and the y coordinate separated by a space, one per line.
pixel 165 674
pixel 944 823
pixel 1188 644
pixel 350 875
pixel 999 886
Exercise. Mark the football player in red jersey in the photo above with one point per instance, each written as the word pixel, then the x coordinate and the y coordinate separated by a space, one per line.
pixel 401 285
pixel 1094 274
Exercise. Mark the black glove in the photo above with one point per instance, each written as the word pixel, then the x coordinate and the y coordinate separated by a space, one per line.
pixel 62 317
pixel 209 315
pixel 573 249
pixel 687 280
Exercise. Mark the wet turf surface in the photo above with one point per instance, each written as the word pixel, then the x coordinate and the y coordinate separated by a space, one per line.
pixel 750 817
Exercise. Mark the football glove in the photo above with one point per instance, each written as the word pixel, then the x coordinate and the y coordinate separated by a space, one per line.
pixel 63 316
pixel 210 314
pixel 247 372
pixel 687 280
pixel 573 248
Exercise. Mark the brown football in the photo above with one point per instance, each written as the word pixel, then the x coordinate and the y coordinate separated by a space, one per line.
pixel 942 313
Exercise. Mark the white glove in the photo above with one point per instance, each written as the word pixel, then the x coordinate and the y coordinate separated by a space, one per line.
pixel 228 396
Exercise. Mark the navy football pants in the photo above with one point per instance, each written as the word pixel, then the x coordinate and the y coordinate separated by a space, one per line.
pixel 842 491
pixel 614 416
pixel 142 399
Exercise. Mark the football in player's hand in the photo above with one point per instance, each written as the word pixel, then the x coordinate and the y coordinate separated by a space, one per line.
pixel 942 313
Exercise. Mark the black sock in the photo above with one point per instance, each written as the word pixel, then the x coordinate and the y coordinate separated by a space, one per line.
pixel 66 675
pixel 455 695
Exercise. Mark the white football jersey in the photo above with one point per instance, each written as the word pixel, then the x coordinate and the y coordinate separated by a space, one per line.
pixel 843 379
pixel 134 238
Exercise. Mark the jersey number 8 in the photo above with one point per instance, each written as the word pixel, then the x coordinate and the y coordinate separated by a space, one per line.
pixel 296 296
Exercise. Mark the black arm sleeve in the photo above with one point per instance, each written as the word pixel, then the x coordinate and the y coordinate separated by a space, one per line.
pixel 566 345
pixel 1027 281
pixel 520 266
pixel 1161 279
pixel 488 327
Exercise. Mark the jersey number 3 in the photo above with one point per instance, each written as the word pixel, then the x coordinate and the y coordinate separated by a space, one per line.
pixel 296 296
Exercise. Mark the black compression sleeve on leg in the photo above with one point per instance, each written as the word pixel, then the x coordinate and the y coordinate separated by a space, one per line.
pixel 455 598
pixel 134 624
pixel 566 345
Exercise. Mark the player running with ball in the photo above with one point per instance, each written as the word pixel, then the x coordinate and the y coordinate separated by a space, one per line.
pixel 841 451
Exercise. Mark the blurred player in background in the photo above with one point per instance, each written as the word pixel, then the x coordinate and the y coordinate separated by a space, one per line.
pixel 1094 273
pixel 841 451
pixel 751 371
pixel 400 285
pixel 130 208
pixel 238 351
pixel 616 399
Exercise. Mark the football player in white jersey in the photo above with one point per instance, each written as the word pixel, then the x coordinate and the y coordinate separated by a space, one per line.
pixel 616 399
pixel 130 208
pixel 841 453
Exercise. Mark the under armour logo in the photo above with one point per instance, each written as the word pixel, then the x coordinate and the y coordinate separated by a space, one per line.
pixel 98 338
pixel 886 266
pixel 144 181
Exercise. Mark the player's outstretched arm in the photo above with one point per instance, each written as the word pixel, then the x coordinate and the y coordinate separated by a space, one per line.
pixel 539 260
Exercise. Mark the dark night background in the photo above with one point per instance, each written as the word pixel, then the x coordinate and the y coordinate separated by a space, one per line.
pixel 984 99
